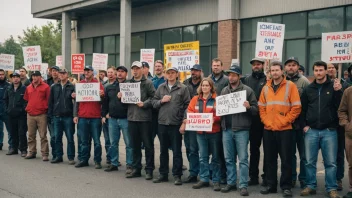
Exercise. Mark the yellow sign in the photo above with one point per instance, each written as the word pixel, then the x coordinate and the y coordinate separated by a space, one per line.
pixel 183 75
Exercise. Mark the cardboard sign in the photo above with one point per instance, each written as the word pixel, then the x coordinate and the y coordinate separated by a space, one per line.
pixel 32 58
pixel 58 61
pixel 77 63
pixel 7 62
pixel 147 55
pixel 231 103
pixel 87 92
pixel 183 60
pixel 131 92
pixel 235 62
pixel 199 122
pixel 270 41
pixel 44 70
pixel 100 61
pixel 336 47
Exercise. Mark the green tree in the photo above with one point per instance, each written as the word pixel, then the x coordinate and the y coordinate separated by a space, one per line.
pixel 48 37
pixel 10 46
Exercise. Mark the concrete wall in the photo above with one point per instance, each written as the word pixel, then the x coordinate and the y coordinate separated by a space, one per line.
pixel 43 5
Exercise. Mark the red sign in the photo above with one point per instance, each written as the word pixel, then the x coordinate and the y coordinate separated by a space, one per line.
pixel 77 63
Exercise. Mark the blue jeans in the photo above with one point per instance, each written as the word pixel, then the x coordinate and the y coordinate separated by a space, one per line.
pixel 4 120
pixel 209 143
pixel 191 144
pixel 236 144
pixel 325 139
pixel 298 140
pixel 115 128
pixel 61 124
pixel 107 139
pixel 90 128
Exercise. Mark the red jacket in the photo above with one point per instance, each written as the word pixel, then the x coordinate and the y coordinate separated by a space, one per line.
pixel 90 109
pixel 37 98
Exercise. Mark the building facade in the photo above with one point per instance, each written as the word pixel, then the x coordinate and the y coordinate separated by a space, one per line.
pixel 224 28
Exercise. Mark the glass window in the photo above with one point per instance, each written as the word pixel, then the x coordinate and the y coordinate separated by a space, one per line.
pixel 111 60
pixel 137 42
pixel 109 44
pixel 98 45
pixel 170 36
pixel 314 54
pixel 87 46
pixel 158 55
pixel 117 44
pixel 328 20
pixel 214 51
pixel 189 33
pixel 88 59
pixel 214 33
pixel 249 26
pixel 117 60
pixel 153 40
pixel 135 56
pixel 296 48
pixel 247 54
pixel 204 34
pixel 205 59
pixel 295 25
pixel 349 18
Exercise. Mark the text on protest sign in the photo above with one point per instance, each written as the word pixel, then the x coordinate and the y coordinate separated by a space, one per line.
pixel 32 58
pixel 100 61
pixel 336 47
pixel 87 92
pixel 199 122
pixel 270 41
pixel 231 103
pixel 131 92
pixel 183 60
pixel 58 61
pixel 147 55
pixel 77 63
pixel 7 62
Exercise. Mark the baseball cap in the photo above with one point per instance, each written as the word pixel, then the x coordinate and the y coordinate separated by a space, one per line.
pixel 57 68
pixel 301 67
pixel 36 73
pixel 136 64
pixel 292 59
pixel 63 71
pixel 172 68
pixel 14 74
pixel 257 59
pixel 122 68
pixel 88 67
pixel 145 64
pixel 196 67
pixel 235 69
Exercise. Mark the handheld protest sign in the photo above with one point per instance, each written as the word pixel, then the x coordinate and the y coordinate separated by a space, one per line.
pixel 231 103
pixel 199 122
pixel 87 92
pixel 131 93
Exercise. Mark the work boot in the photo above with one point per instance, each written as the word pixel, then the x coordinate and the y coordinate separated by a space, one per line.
pixel 191 179
pixel 56 160
pixel 23 153
pixel 333 194
pixel 308 191
pixel 216 186
pixel 134 173
pixel 98 165
pixel 148 175
pixel 71 162
pixel 223 181
pixel 287 193
pixel 268 190
pixel 111 168
pixel 129 170
pixel 200 185
pixel 12 152
pixel 339 185
pixel 244 192
pixel 253 182
pixel 30 156
pixel 161 178
pixel 178 180
pixel 81 164
pixel 45 158
pixel 228 188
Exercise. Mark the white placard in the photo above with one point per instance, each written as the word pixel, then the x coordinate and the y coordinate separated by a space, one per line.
pixel 87 92
pixel 58 61
pixel 7 62
pixel 270 41
pixel 147 55
pixel 44 70
pixel 235 62
pixel 183 60
pixel 100 61
pixel 231 103
pixel 32 58
pixel 131 92
pixel 199 122
pixel 336 47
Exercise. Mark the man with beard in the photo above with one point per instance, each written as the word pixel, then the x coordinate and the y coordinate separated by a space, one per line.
pixel 23 76
pixel 320 102
pixel 3 115
pixel 256 82
pixel 190 137
pixel 279 106
pixel 291 69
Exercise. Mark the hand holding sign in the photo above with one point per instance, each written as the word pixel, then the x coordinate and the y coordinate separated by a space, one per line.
pixel 183 128
pixel 73 95
pixel 119 95
pixel 140 104
pixel 101 92
pixel 246 104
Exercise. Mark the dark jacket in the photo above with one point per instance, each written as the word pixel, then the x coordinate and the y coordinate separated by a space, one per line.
pixel 142 114
pixel 15 105
pixel 256 82
pixel 171 113
pixel 25 81
pixel 222 82
pixel 50 81
pixel 347 83
pixel 319 106
pixel 192 88
pixel 112 105
pixel 3 86
pixel 241 121
pixel 61 102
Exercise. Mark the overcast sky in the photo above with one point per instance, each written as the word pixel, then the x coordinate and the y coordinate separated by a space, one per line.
pixel 15 16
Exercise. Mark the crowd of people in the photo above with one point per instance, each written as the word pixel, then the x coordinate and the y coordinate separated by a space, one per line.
pixel 284 110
